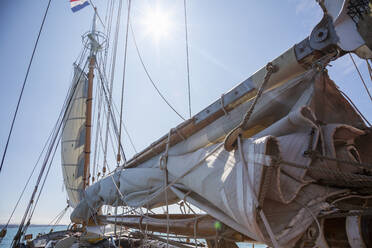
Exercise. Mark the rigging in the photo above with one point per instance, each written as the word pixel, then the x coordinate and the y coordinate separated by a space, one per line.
pixel 123 84
pixel 187 57
pixel 361 78
pixel 149 77
pixel 55 136
pixel 23 85
pixel 110 88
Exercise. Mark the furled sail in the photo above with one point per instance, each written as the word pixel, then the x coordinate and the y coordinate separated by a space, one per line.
pixel 73 138
pixel 254 189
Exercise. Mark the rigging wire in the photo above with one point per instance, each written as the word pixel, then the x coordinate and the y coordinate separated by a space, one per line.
pixel 98 129
pixel 56 130
pixel 112 70
pixel 112 117
pixel 96 124
pixel 95 10
pixel 28 180
pixel 108 20
pixel 42 187
pixel 112 141
pixel 118 159
pixel 361 78
pixel 23 85
pixel 45 178
pixel 369 69
pixel 58 216
pixel 37 162
pixel 126 131
pixel 117 112
pixel 355 107
pixel 187 57
pixel 150 78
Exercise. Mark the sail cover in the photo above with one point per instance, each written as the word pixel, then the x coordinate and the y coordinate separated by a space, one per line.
pixel 73 138
pixel 237 187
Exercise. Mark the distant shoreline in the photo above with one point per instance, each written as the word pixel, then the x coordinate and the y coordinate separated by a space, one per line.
pixel 32 225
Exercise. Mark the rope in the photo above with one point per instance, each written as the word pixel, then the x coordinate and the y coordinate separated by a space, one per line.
pixel 110 89
pixel 23 86
pixel 173 182
pixel 231 138
pixel 149 77
pixel 361 78
pixel 351 213
pixel 313 216
pixel 223 104
pixel 117 111
pixel 270 70
pixel 255 198
pixel 123 85
pixel 108 21
pixel 352 180
pixel 164 161
pixel 58 217
pixel 195 232
pixel 315 154
pixel 55 134
pixel 355 107
pixel 187 58
pixel 42 186
pixel 95 10
pixel 28 180
pixel 98 124
pixel 369 69
pixel 112 117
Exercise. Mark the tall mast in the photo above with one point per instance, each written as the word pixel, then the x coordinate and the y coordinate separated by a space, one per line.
pixel 88 119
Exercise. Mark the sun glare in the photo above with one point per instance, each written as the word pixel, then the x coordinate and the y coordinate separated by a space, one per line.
pixel 157 24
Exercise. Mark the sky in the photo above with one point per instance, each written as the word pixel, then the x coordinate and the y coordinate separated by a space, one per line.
pixel 228 42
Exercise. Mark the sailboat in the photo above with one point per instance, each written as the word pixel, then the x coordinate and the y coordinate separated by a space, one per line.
pixel 282 159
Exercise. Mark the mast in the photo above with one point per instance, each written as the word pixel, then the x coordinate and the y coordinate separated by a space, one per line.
pixel 88 118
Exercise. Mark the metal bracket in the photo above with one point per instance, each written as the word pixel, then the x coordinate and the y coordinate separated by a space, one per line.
pixel 321 39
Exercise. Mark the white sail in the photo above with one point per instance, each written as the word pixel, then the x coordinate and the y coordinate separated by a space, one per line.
pixel 73 138
pixel 227 188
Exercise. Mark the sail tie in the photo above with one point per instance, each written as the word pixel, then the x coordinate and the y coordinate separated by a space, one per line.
pixel 163 166
pixel 223 104
pixel 255 198
pixel 231 138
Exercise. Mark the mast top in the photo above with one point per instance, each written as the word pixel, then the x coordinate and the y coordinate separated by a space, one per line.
pixel 94 40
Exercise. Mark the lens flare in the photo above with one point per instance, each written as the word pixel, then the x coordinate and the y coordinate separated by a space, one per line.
pixel 157 23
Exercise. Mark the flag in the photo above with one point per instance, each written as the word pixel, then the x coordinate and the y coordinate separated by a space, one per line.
pixel 78 4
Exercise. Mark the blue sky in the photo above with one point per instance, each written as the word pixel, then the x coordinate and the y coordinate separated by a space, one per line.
pixel 229 41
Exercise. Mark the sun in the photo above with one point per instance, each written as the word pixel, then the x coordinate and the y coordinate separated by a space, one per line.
pixel 157 23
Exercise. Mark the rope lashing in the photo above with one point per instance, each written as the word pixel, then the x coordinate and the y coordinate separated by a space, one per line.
pixel 223 105
pixel 315 154
pixel 349 213
pixel 230 140
pixel 163 166
pixel 255 198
